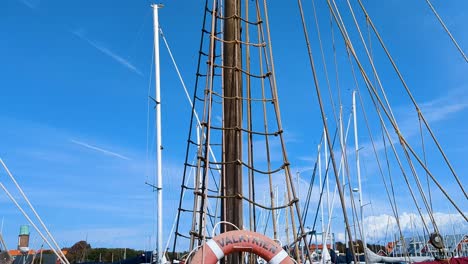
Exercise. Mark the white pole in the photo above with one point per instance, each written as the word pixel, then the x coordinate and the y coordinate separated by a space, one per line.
pixel 159 242
pixel 330 213
pixel 320 184
pixel 340 120
pixel 358 170
pixel 325 148
pixel 321 191
pixel 342 144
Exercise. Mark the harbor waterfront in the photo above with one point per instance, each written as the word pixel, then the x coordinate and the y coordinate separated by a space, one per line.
pixel 234 132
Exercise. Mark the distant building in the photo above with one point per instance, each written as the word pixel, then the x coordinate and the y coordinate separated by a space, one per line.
pixel 314 247
pixel 34 257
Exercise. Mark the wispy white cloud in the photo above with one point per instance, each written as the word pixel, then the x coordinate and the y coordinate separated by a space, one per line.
pixel 436 110
pixel 101 150
pixel 441 108
pixel 31 3
pixel 108 193
pixel 102 48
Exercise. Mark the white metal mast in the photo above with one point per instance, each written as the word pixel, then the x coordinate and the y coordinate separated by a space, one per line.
pixel 321 188
pixel 358 170
pixel 159 235
pixel 340 120
pixel 319 158
pixel 329 210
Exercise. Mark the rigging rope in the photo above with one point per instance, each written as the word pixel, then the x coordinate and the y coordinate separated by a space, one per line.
pixel 319 203
pixel 447 30
pixel 330 213
pixel 183 84
pixel 389 116
pixel 206 114
pixel 193 113
pixel 393 203
pixel 260 36
pixel 148 117
pixel 317 89
pixel 348 43
pixel 251 179
pixel 387 135
pixel 289 181
pixel 400 76
pixel 32 209
pixel 312 180
pixel 189 100
pixel 425 160
pixel 327 162
pixel 389 108
pixel 59 256
pixel 388 105
pixel 319 35
pixel 351 48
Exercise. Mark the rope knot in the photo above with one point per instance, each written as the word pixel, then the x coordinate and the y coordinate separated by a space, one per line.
pixel 293 201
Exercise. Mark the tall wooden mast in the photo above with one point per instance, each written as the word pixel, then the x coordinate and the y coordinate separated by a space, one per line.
pixel 232 116
pixel 245 100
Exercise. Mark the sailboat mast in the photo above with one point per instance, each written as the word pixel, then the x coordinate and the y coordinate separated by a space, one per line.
pixel 232 112
pixel 358 170
pixel 159 193
pixel 324 239
pixel 232 115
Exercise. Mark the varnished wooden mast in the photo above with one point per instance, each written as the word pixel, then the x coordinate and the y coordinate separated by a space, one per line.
pixel 232 116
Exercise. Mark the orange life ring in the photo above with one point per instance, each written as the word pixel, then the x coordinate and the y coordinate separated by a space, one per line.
pixel 241 241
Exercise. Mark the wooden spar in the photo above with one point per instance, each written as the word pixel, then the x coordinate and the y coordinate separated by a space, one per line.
pixel 232 116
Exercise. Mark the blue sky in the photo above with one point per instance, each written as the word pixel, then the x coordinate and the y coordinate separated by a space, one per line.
pixel 74 81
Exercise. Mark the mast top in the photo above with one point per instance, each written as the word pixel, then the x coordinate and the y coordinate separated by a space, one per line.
pixel 157 5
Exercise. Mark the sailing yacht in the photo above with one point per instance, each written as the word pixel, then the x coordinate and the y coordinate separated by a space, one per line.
pixel 236 116
pixel 238 147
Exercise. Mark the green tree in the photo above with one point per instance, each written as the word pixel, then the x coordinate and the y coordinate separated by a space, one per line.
pixel 77 253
